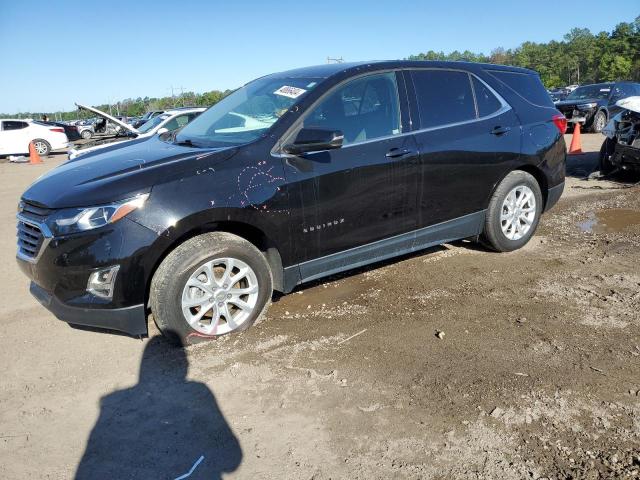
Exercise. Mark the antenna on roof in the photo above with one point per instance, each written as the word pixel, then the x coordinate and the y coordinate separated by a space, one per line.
pixel 335 60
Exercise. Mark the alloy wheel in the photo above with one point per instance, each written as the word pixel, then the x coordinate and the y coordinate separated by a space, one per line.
pixel 219 296
pixel 518 212
pixel 40 147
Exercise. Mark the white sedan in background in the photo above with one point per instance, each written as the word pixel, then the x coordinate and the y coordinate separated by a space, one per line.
pixel 165 122
pixel 16 134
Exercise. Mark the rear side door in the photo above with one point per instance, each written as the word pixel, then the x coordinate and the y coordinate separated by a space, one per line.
pixel 364 191
pixel 468 138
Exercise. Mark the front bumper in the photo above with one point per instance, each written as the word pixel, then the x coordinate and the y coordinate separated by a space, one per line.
pixel 130 320
pixel 60 271
pixel 583 117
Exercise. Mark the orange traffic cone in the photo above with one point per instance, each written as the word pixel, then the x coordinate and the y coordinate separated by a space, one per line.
pixel 576 144
pixel 34 158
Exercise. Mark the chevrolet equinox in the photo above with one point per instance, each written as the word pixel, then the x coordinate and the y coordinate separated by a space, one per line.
pixel 293 177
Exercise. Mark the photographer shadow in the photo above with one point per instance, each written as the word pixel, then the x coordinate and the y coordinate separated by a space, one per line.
pixel 165 426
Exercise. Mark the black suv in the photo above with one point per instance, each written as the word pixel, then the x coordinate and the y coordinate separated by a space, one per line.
pixel 593 105
pixel 293 177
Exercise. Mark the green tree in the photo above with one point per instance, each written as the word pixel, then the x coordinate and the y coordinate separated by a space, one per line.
pixel 581 57
pixel 615 67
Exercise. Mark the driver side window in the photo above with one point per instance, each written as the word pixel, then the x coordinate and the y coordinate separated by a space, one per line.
pixel 177 122
pixel 363 109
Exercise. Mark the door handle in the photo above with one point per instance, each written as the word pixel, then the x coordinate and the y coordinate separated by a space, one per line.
pixel 398 152
pixel 500 130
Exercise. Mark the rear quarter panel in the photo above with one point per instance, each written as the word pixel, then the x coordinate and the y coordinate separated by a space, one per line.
pixel 543 145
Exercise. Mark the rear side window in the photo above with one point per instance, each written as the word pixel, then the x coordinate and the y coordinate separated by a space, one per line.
pixel 444 97
pixel 12 125
pixel 526 85
pixel 486 101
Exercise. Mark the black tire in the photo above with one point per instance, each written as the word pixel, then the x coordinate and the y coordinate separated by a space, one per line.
pixel 606 150
pixel 169 280
pixel 599 121
pixel 86 134
pixel 493 237
pixel 42 146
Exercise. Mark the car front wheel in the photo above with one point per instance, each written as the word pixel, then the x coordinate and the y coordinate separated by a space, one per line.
pixel 514 212
pixel 211 285
pixel 42 146
pixel 86 134
pixel 599 122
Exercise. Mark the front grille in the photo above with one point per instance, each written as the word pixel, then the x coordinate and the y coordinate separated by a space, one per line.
pixel 29 239
pixel 34 212
pixel 31 221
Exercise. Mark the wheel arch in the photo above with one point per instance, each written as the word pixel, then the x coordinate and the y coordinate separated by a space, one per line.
pixel 606 112
pixel 532 170
pixel 39 139
pixel 248 232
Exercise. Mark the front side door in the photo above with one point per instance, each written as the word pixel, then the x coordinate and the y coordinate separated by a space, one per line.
pixel 467 137
pixel 364 191
pixel 14 137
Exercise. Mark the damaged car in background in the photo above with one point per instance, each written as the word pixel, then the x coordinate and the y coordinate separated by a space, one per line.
pixel 593 105
pixel 621 148
pixel 119 131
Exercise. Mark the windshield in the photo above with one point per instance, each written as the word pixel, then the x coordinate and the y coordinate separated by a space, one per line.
pixel 247 113
pixel 153 123
pixel 587 92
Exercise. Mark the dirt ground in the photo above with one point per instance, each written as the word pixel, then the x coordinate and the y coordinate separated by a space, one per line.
pixel 535 376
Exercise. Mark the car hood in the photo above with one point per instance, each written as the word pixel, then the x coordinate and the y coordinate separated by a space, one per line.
pixel 100 113
pixel 630 103
pixel 573 103
pixel 120 173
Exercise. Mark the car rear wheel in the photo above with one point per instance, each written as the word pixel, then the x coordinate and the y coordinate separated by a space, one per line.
pixel 86 134
pixel 42 146
pixel 211 285
pixel 599 122
pixel 514 212
pixel 606 150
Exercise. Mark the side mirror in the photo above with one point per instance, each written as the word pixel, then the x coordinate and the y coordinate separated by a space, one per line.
pixel 314 140
pixel 162 130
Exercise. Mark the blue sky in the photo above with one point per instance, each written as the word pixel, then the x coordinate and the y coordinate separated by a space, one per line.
pixel 55 53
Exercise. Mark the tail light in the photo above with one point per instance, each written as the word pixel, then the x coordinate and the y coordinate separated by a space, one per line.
pixel 59 130
pixel 560 121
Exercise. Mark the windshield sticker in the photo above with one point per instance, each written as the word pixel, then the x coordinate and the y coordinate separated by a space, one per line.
pixel 605 89
pixel 291 92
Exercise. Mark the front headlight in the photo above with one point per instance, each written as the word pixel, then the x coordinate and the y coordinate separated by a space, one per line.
pixel 587 106
pixel 73 220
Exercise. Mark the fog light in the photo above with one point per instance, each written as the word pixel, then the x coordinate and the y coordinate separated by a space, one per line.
pixel 101 282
